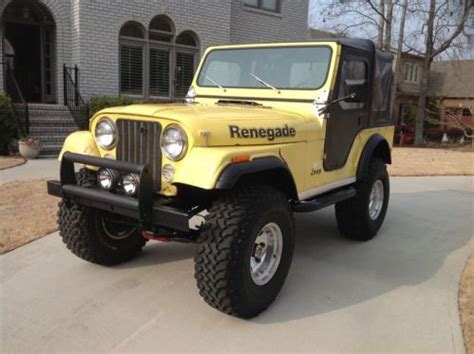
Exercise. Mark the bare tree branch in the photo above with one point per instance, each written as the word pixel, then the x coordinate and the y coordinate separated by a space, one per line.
pixel 445 45
pixel 453 118
pixel 382 15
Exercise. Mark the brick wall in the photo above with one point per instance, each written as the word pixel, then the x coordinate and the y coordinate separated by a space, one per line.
pixel 250 25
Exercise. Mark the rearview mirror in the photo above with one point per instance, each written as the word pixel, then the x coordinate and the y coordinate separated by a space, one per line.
pixel 357 89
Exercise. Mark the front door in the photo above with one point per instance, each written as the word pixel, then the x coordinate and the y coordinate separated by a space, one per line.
pixel 346 119
pixel 26 42
pixel 30 32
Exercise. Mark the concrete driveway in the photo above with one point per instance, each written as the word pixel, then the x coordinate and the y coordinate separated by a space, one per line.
pixel 395 293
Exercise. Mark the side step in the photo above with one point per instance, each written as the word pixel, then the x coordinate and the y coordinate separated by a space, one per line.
pixel 324 200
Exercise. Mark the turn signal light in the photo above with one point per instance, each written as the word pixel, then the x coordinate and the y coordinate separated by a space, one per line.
pixel 240 158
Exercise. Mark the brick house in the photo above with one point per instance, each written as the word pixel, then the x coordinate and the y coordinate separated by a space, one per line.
pixel 451 82
pixel 139 48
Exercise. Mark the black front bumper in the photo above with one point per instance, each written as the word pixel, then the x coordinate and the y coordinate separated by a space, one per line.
pixel 146 208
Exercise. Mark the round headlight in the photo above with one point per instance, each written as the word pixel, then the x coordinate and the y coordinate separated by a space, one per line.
pixel 174 142
pixel 106 133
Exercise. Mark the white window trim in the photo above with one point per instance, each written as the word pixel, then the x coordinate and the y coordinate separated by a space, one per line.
pixel 414 76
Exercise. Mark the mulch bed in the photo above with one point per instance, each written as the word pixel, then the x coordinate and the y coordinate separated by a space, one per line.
pixel 27 213
pixel 424 161
pixel 466 304
pixel 9 162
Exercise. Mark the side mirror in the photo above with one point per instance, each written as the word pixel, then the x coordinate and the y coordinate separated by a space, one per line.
pixel 357 89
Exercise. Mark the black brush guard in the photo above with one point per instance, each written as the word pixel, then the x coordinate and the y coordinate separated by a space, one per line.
pixel 148 211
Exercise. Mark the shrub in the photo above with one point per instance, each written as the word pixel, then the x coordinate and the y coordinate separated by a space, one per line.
pixel 434 134
pixel 100 102
pixel 8 126
pixel 455 134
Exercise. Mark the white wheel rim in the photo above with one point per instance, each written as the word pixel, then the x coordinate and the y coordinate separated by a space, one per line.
pixel 266 254
pixel 376 200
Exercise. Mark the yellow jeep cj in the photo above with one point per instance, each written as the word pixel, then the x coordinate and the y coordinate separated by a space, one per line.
pixel 266 131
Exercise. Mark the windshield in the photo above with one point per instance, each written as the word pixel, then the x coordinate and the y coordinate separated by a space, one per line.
pixel 288 68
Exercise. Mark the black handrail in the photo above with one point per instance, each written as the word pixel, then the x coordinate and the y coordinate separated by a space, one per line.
pixel 73 99
pixel 19 106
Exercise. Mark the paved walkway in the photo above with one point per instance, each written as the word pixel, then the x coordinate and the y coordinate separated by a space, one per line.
pixel 40 168
pixel 395 293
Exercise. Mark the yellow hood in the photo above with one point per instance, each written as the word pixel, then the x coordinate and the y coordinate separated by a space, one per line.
pixel 224 124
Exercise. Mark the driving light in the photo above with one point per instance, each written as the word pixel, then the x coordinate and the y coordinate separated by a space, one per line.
pixel 130 184
pixel 106 133
pixel 168 172
pixel 174 142
pixel 107 178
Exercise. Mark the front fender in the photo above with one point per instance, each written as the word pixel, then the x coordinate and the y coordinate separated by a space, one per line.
pixel 202 167
pixel 376 146
pixel 81 142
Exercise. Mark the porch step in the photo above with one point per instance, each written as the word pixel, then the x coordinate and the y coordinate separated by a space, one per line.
pixel 47 107
pixel 51 123
pixel 39 130
pixel 50 150
pixel 54 121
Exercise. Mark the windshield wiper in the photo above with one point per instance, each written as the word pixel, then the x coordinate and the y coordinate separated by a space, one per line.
pixel 264 83
pixel 214 82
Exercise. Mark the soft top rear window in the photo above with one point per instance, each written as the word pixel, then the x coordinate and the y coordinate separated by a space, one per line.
pixel 285 68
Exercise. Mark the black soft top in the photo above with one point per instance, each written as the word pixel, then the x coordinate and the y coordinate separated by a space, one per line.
pixel 380 78
pixel 357 43
pixel 361 44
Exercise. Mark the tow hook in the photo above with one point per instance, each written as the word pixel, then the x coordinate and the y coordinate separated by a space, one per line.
pixel 148 235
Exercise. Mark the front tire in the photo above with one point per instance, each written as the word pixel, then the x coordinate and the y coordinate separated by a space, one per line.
pixel 94 235
pixel 246 252
pixel 360 218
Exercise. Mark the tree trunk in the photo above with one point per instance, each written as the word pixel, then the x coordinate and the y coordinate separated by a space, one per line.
pixel 380 41
pixel 420 112
pixel 388 26
pixel 398 63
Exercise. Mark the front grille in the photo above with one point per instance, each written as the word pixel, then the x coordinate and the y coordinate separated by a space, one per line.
pixel 139 142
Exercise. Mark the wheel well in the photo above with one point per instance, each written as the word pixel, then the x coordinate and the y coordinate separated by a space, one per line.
pixel 376 147
pixel 382 151
pixel 270 171
pixel 277 178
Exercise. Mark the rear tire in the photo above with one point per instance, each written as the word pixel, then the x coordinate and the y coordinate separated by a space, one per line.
pixel 246 250
pixel 360 218
pixel 94 235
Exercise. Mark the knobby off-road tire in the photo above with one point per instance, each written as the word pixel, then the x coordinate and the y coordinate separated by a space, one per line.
pixel 91 235
pixel 361 217
pixel 223 269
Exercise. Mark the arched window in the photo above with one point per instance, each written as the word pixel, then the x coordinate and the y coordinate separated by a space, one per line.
pixel 132 47
pixel 186 57
pixel 161 29
pixel 166 61
pixel 132 30
pixel 187 38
